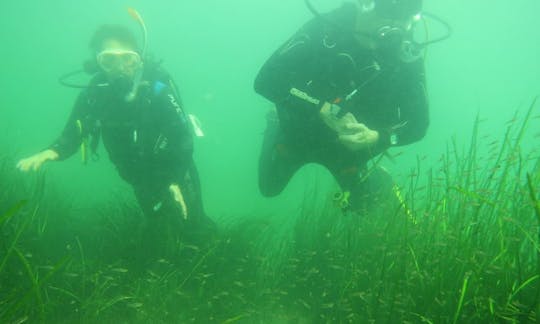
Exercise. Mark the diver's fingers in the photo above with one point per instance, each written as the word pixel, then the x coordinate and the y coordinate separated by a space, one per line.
pixel 357 138
pixel 349 118
pixel 182 202
pixel 356 127
pixel 184 211
pixel 19 165
pixel 36 165
pixel 179 198
pixel 24 165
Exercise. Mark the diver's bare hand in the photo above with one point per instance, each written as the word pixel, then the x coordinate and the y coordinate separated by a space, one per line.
pixel 36 161
pixel 339 125
pixel 179 198
pixel 360 137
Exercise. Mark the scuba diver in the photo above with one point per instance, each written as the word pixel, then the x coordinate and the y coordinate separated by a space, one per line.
pixel 347 86
pixel 132 104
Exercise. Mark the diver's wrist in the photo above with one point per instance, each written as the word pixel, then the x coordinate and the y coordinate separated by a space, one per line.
pixel 50 155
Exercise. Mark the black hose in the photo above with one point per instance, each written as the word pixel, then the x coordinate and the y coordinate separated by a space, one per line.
pixel 311 8
pixel 63 80
pixel 449 29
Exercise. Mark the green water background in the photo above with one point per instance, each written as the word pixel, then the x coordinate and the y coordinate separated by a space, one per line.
pixel 214 50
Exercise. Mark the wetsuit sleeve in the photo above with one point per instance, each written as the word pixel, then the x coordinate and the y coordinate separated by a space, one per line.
pixel 70 140
pixel 289 67
pixel 412 112
pixel 176 140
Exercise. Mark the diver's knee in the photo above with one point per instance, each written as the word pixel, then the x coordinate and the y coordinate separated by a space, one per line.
pixel 269 191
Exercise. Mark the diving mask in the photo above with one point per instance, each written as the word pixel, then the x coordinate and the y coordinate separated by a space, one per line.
pixel 113 60
pixel 399 39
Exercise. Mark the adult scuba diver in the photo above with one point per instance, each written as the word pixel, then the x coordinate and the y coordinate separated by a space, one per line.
pixel 347 86
pixel 133 105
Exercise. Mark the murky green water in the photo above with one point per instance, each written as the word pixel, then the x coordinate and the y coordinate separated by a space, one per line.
pixel 462 248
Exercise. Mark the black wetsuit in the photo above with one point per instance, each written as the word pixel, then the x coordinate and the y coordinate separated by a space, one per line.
pixel 149 140
pixel 324 60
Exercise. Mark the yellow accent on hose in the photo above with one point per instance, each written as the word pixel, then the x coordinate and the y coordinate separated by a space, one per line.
pixel 342 199
pixel 84 142
pixel 403 203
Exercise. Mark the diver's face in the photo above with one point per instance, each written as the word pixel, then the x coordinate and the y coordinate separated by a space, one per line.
pixel 118 60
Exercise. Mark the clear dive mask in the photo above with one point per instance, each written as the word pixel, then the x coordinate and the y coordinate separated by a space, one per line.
pixel 118 60
pixel 398 40
pixel 403 40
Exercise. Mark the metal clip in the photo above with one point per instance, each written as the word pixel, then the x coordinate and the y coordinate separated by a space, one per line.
pixel 342 199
